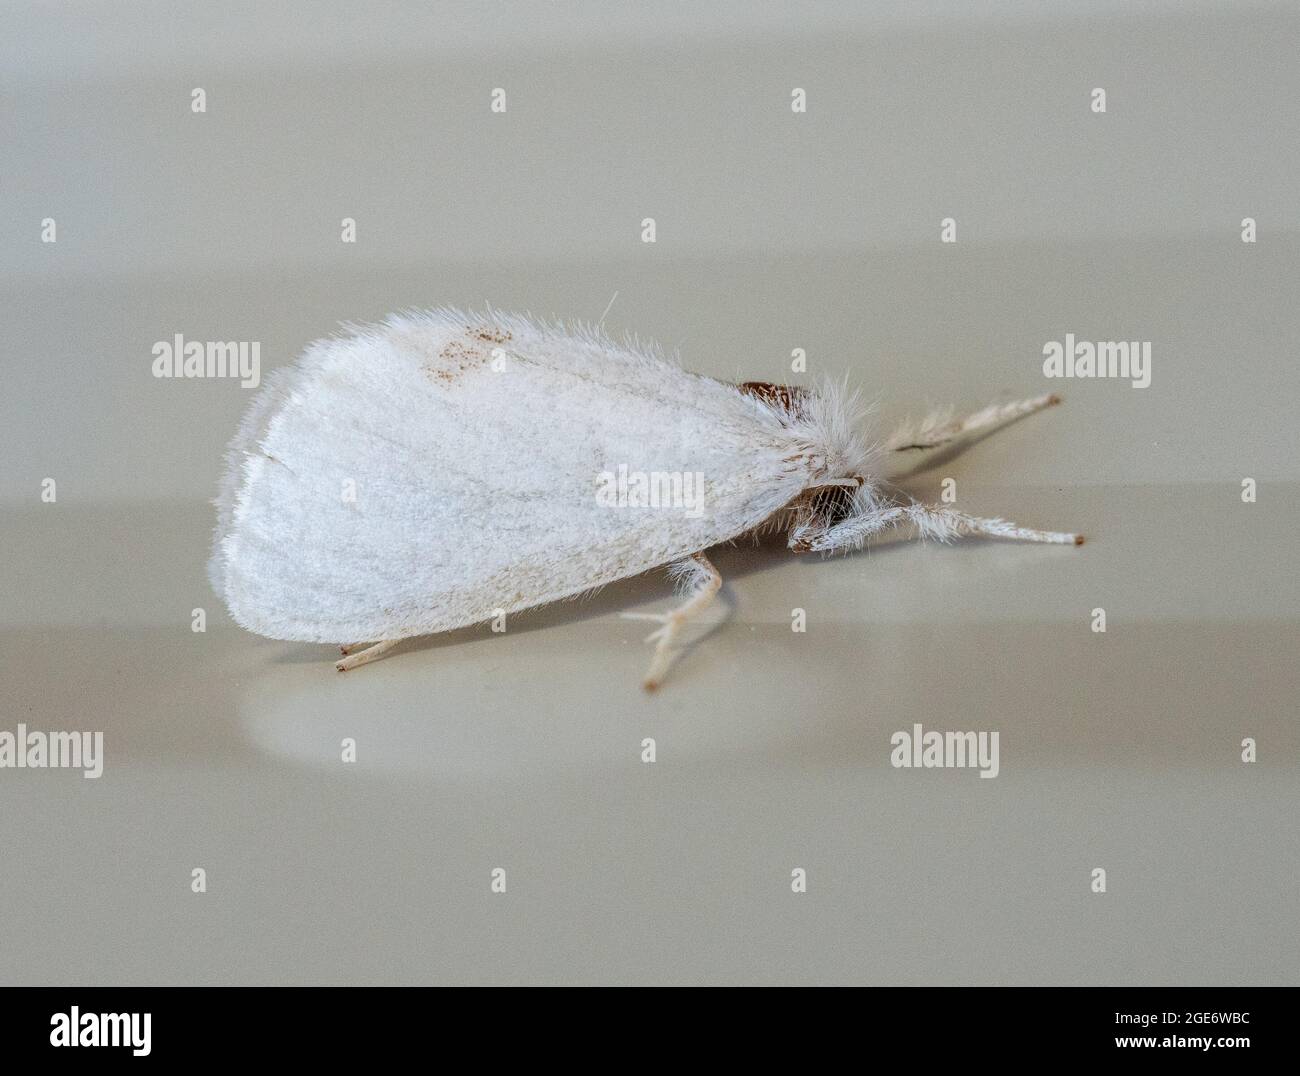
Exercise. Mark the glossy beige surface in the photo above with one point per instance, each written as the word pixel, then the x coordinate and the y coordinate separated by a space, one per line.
pixel 522 751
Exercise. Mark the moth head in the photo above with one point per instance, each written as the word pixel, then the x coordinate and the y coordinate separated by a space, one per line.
pixel 830 448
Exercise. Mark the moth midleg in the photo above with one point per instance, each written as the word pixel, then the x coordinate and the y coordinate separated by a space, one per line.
pixel 934 433
pixel 704 583
pixel 364 657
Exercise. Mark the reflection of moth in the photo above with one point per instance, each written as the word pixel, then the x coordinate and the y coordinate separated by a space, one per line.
pixel 441 468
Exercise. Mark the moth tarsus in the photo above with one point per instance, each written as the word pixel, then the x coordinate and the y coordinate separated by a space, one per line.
pixel 445 469
pixel 705 582
pixel 364 657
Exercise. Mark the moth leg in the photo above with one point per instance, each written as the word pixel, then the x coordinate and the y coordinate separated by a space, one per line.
pixel 364 657
pixel 937 521
pixel 939 430
pixel 931 521
pixel 703 582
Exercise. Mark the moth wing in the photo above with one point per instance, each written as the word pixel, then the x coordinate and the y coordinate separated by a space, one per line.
pixel 430 472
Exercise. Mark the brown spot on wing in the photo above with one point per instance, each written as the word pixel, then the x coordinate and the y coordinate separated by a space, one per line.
pixel 491 336
pixel 465 352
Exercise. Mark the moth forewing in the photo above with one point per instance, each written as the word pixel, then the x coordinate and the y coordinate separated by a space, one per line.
pixel 396 483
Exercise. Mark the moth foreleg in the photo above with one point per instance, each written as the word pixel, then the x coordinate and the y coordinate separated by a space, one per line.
pixel 703 582
pixel 939 521
pixel 364 657
pixel 931 521
pixel 937 431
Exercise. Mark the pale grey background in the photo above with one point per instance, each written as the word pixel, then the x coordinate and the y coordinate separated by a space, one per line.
pixel 775 231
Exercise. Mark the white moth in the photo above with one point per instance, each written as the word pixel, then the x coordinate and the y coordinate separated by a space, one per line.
pixel 433 471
